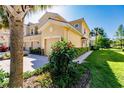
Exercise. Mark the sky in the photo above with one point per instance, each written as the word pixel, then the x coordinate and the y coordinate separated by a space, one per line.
pixel 107 17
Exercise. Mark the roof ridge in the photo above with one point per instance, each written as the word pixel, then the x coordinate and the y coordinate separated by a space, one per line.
pixel 77 19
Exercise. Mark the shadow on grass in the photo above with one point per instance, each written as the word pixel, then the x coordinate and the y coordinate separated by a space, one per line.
pixel 102 74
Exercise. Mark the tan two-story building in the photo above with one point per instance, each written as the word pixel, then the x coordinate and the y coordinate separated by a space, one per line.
pixel 52 28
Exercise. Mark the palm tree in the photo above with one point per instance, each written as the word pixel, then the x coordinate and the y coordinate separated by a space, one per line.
pixel 98 33
pixel 120 34
pixel 13 17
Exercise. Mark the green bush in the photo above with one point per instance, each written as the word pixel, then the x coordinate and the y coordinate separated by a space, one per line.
pixel 8 56
pixel 28 74
pixel 37 51
pixel 62 54
pixel 61 62
pixel 37 71
pixel 5 56
pixel 43 69
pixel 25 54
pixel 4 80
pixel 81 51
pixel 44 79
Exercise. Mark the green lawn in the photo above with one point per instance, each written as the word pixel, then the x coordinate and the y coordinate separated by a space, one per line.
pixel 107 68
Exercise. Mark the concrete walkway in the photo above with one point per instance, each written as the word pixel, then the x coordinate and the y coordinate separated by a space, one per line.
pixel 82 58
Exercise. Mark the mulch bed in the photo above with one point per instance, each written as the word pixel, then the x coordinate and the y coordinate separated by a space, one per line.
pixel 30 83
pixel 82 83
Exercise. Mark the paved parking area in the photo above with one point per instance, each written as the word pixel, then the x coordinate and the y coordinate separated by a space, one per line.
pixel 31 62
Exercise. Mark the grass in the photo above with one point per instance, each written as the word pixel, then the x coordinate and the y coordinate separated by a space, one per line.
pixel 107 68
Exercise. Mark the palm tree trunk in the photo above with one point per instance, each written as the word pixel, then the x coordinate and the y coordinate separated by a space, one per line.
pixel 16 51
pixel 121 43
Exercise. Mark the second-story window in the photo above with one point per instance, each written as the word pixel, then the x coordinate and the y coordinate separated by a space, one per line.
pixel 76 25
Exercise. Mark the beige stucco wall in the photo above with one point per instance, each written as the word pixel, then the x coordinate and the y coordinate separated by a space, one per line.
pixel 52 31
pixel 57 29
pixel 87 41
pixel 83 27
pixel 62 32
pixel 33 41
pixel 74 38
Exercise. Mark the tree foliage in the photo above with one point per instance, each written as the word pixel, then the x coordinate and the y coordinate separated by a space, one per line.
pixel 120 35
pixel 101 40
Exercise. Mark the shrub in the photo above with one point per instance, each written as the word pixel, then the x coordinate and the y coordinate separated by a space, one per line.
pixel 4 80
pixel 96 47
pixel 37 71
pixel 43 69
pixel 74 74
pixel 8 56
pixel 37 51
pixel 44 79
pixel 62 54
pixel 61 63
pixel 81 51
pixel 5 56
pixel 28 74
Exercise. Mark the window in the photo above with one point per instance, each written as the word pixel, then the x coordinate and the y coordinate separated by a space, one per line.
pixel 31 31
pixel 76 25
pixel 36 30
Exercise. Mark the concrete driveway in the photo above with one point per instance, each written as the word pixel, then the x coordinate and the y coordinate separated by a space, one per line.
pixel 31 62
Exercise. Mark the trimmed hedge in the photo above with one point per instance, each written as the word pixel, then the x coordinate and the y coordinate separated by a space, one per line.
pixel 37 71
pixel 37 51
pixel 81 51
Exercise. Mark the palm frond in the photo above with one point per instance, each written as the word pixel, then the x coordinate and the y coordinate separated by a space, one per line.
pixel 37 8
pixel 33 9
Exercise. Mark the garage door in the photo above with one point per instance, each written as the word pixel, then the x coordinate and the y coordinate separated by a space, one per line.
pixel 48 43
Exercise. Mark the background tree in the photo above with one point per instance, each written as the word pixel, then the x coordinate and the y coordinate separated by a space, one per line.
pixel 13 17
pixel 101 40
pixel 120 35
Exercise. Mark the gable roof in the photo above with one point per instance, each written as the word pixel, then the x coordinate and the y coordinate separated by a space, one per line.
pixel 81 19
pixel 51 15
pixel 63 23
